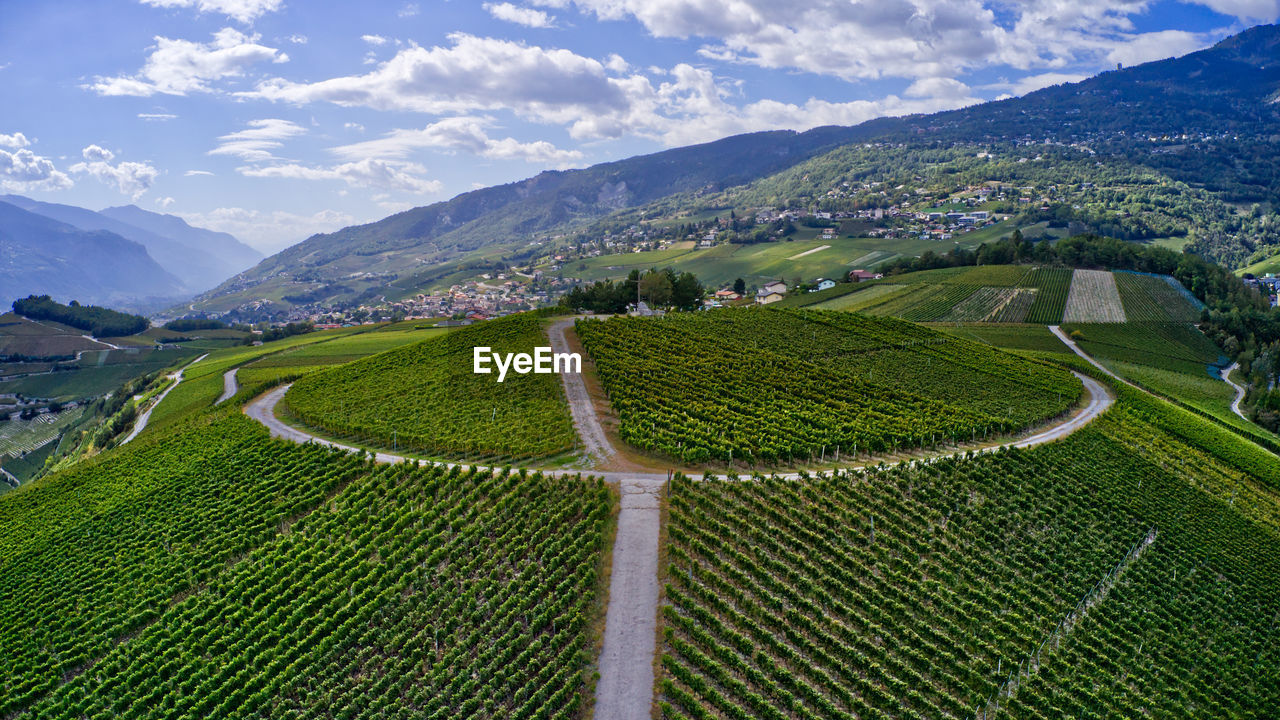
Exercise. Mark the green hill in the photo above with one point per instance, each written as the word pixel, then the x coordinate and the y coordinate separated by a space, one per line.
pixel 425 398
pixel 795 386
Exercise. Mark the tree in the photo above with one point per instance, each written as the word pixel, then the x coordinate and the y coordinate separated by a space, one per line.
pixel 740 286
pixel 686 291
pixel 656 287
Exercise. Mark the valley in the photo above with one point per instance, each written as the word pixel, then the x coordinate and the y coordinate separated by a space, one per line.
pixel 964 413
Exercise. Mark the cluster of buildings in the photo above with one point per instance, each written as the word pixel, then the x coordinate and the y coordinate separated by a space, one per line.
pixel 1268 285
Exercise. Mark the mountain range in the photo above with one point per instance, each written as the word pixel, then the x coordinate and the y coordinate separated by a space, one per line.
pixel 1225 95
pixel 198 258
pixel 42 256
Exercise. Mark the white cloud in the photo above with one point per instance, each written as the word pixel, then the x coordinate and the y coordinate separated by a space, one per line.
pixel 374 39
pixel 165 202
pixel 178 67
pixel 520 15
pixel 459 133
pixel 1247 10
pixel 257 143
pixel 23 171
pixel 16 140
pixel 246 11
pixel 408 10
pixel 1032 83
pixel 196 173
pixel 130 178
pixel 473 74
pixel 370 172
pixel 1146 47
pixel 906 38
pixel 297 39
pixel 353 126
pixel 269 232
pixel 157 117
pixel 476 75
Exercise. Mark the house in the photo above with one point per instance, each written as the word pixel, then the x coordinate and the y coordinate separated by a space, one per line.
pixel 764 297
pixel 861 275
pixel 776 286
pixel 824 284
pixel 727 295
pixel 828 233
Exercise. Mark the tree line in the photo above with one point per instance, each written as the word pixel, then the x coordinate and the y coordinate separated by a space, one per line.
pixel 97 321
pixel 658 288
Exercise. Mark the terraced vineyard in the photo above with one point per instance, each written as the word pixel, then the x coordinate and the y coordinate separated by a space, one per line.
pixel 1094 298
pixel 1104 576
pixel 1052 287
pixel 787 385
pixel 1018 294
pixel 1155 298
pixel 220 574
pixel 395 399
pixel 1169 346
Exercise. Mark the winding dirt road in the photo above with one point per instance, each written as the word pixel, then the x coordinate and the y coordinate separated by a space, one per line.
pixel 626 687
pixel 229 386
pixel 145 417
pixel 1240 391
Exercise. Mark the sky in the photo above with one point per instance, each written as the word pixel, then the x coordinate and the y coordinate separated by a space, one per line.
pixel 278 119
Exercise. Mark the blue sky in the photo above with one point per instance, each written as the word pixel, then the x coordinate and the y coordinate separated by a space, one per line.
pixel 276 119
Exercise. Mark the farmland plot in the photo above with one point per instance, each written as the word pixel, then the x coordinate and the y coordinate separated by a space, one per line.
pixel 1094 298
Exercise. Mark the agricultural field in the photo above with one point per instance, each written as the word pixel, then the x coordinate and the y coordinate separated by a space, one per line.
pixel 95 374
pixel 222 574
pixel 46 339
pixel 1203 392
pixel 1156 298
pixel 1120 573
pixel 1007 336
pixel 788 386
pixel 203 383
pixel 18 437
pixel 757 264
pixel 1014 294
pixel 425 398
pixel 1168 346
pixel 1093 298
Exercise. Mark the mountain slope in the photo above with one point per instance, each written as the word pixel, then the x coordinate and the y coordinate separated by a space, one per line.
pixel 233 255
pixel 196 267
pixel 1225 94
pixel 39 255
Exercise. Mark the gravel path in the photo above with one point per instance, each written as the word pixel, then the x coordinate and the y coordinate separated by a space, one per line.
pixel 145 417
pixel 625 690
pixel 1089 358
pixel 229 386
pixel 1235 404
pixel 575 390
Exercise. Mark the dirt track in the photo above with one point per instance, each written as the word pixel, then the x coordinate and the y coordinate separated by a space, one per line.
pixel 626 686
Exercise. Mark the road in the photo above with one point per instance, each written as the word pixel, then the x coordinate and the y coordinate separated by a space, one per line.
pixel 625 690
pixel 229 386
pixel 1240 391
pixel 1056 330
pixel 584 415
pixel 141 423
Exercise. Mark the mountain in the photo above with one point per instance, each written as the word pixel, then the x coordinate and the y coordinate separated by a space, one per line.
pixel 1207 121
pixel 190 257
pixel 234 256
pixel 39 255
